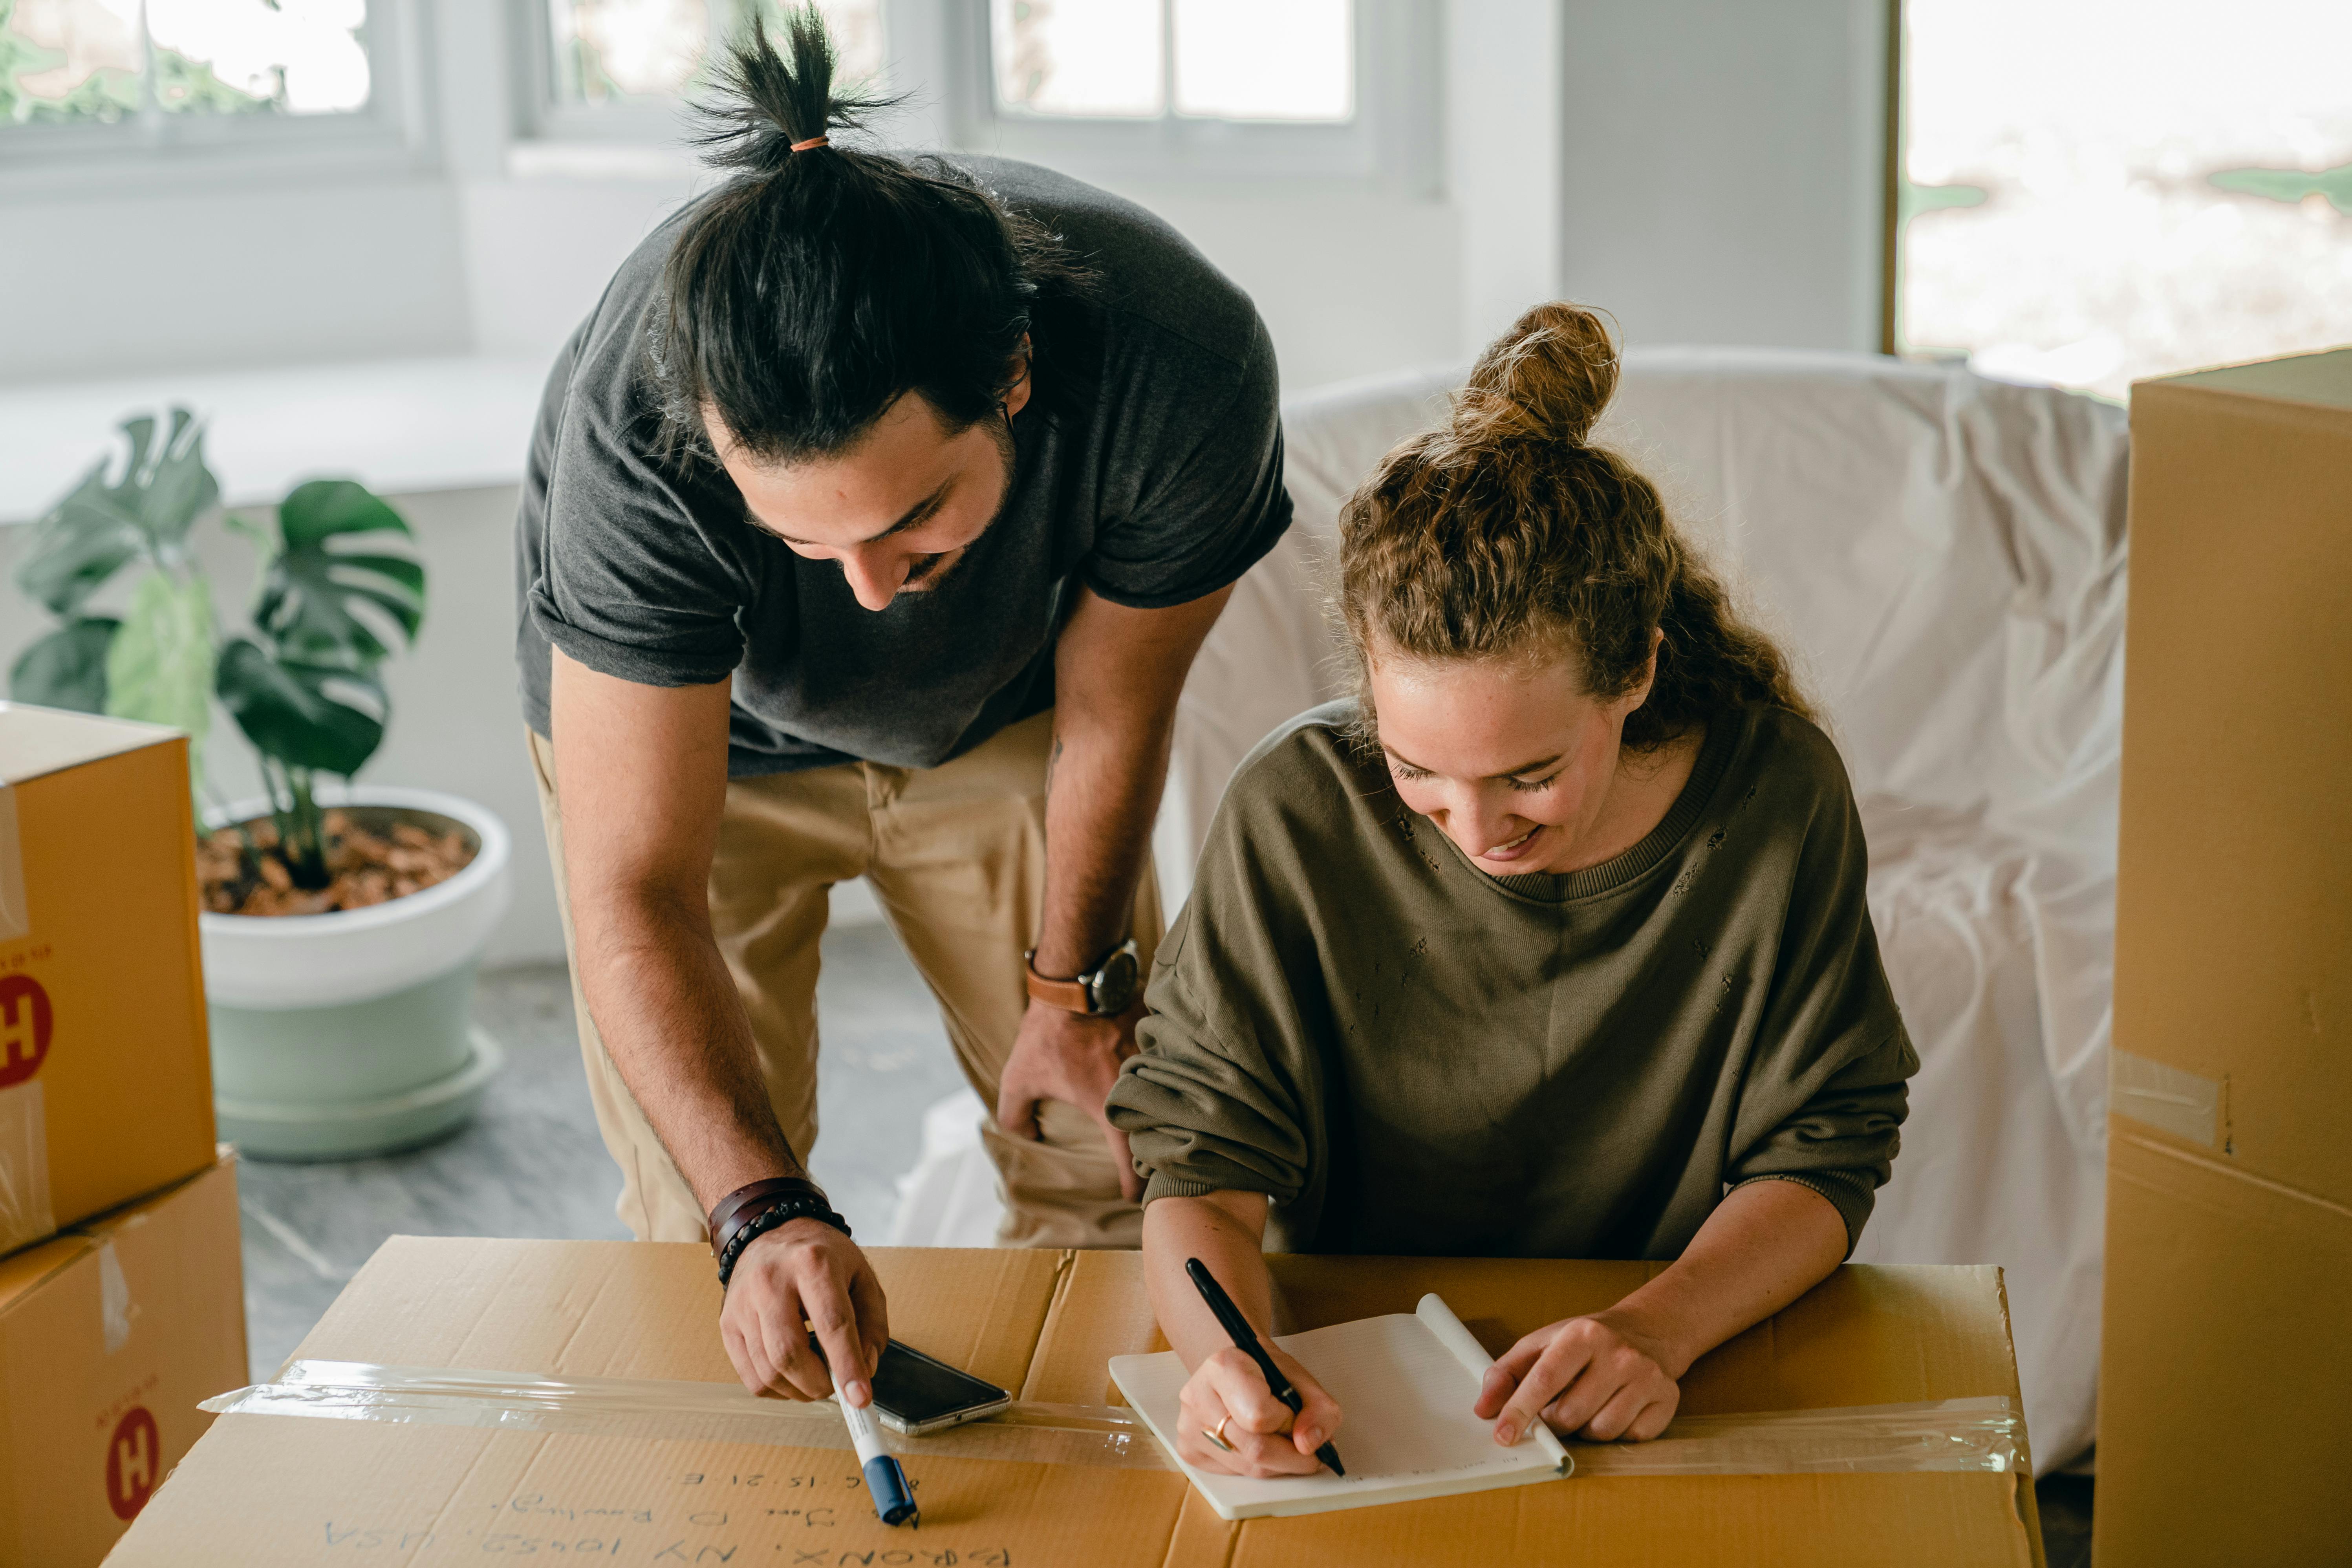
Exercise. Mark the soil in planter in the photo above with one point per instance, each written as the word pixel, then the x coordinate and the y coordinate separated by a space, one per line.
pixel 367 867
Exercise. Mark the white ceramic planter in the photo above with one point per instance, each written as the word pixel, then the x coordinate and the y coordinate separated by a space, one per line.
pixel 341 1035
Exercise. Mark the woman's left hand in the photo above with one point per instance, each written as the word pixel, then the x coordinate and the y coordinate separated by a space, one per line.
pixel 1598 1377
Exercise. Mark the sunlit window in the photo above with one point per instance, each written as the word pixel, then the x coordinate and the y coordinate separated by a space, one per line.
pixel 107 61
pixel 654 51
pixel 2089 202
pixel 1279 60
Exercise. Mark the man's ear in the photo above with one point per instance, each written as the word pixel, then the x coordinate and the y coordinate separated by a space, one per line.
pixel 1016 396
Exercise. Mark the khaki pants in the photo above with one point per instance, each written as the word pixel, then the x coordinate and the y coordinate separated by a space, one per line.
pixel 956 856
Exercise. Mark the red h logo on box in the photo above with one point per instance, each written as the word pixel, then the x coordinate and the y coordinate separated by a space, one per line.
pixel 131 1461
pixel 24 1024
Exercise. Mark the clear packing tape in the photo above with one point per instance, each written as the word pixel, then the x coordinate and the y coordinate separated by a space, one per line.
pixel 1984 1435
pixel 26 1215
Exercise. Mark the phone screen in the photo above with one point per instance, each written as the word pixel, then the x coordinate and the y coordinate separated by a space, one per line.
pixel 919 1390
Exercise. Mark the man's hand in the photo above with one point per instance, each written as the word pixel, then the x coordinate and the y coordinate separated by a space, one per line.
pixel 799 1276
pixel 1060 1055
pixel 1599 1377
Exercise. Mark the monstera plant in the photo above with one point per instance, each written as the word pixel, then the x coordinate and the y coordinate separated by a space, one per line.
pixel 303 688
pixel 341 924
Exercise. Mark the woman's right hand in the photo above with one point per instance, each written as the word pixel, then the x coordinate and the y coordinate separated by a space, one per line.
pixel 1228 1394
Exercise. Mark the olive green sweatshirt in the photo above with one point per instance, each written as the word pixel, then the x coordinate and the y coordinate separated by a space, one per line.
pixel 1409 1055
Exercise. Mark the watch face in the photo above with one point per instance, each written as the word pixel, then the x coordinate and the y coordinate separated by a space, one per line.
pixel 1114 986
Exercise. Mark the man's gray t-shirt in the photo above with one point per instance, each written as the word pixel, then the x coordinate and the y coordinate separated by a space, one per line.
pixel 1152 475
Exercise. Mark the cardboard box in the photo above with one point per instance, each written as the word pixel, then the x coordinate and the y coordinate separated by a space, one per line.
pixel 262 1491
pixel 2228 1254
pixel 109 1337
pixel 105 1075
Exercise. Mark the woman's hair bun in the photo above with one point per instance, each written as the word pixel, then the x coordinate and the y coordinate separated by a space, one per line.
pixel 763 98
pixel 1549 378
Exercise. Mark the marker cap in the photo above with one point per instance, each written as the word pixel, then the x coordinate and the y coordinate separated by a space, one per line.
pixel 894 1501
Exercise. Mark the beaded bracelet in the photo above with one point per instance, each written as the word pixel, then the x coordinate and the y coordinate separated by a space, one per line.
pixel 748 1200
pixel 768 1219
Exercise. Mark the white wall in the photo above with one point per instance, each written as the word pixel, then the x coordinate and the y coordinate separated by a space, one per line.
pixel 1722 163
pixel 1709 170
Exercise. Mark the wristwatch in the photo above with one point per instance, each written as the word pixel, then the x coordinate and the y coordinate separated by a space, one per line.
pixel 1104 991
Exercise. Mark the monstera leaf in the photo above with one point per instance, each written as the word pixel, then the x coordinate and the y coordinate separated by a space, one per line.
pixel 103 523
pixel 158 667
pixel 302 715
pixel 66 668
pixel 311 592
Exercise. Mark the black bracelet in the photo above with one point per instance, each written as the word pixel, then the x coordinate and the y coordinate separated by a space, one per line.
pixel 768 1219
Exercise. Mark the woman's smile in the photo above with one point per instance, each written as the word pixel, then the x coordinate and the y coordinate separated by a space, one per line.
pixel 1515 849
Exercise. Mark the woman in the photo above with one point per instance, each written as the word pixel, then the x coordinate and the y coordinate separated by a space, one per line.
pixel 1551 943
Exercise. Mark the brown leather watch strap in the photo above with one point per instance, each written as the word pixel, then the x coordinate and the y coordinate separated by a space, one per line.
pixel 1070 995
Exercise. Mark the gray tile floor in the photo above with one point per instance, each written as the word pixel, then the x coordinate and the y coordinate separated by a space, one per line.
pixel 532 1165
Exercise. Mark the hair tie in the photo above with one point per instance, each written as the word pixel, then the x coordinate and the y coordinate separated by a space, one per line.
pixel 812 142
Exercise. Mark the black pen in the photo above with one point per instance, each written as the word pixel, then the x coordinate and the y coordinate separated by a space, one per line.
pixel 1245 1339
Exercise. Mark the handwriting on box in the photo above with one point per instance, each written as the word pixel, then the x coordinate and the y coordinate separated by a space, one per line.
pixel 805 1521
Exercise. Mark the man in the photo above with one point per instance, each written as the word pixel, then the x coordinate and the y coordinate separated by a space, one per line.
pixel 873 519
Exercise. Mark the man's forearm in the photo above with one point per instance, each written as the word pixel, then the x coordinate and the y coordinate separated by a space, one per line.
pixel 673 1024
pixel 1103 783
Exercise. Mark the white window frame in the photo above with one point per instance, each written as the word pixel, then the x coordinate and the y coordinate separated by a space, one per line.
pixel 1392 142
pixel 392 135
pixel 546 118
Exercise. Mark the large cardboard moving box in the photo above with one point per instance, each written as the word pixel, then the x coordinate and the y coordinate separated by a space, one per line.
pixel 105 1075
pixel 267 1490
pixel 2229 1263
pixel 109 1338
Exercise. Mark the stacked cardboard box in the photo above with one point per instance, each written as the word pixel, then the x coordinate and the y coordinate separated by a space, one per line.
pixel 2225 1396
pixel 631 1486
pixel 109 1336
pixel 112 1330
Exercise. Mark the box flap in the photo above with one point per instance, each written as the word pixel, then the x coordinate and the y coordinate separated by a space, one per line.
pixel 22 1273
pixel 2233 889
pixel 585 1308
pixel 2322 378
pixel 38 740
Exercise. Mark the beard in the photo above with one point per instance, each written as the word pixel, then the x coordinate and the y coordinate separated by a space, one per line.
pixel 929 572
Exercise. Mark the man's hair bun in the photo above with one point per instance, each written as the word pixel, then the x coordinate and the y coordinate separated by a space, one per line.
pixel 763 99
pixel 1546 379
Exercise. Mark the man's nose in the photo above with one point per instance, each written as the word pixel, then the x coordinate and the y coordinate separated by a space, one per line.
pixel 874 580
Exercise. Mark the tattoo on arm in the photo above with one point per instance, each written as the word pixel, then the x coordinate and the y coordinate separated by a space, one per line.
pixel 1052 757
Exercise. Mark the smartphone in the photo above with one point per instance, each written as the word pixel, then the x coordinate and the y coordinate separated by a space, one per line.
pixel 915 1393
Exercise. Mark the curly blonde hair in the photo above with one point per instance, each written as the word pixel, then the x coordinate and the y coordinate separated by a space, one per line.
pixel 1506 534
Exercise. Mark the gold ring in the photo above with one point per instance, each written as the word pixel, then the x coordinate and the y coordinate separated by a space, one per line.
pixel 1218 1437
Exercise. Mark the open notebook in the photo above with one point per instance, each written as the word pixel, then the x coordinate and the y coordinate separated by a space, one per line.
pixel 1406 1383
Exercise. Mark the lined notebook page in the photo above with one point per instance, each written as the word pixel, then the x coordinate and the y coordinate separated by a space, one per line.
pixel 1406 1383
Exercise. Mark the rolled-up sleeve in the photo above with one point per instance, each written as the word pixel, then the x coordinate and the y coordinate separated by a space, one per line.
pixel 1202 1112
pixel 1226 1093
pixel 1825 1090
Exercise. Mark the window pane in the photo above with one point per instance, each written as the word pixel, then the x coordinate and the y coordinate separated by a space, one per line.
pixel 610 51
pixel 296 57
pixel 1096 58
pixel 68 60
pixel 2109 203
pixel 1265 59
pixel 64 61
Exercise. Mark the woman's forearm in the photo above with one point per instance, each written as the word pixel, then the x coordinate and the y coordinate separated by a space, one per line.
pixel 1765 1244
pixel 1224 1230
